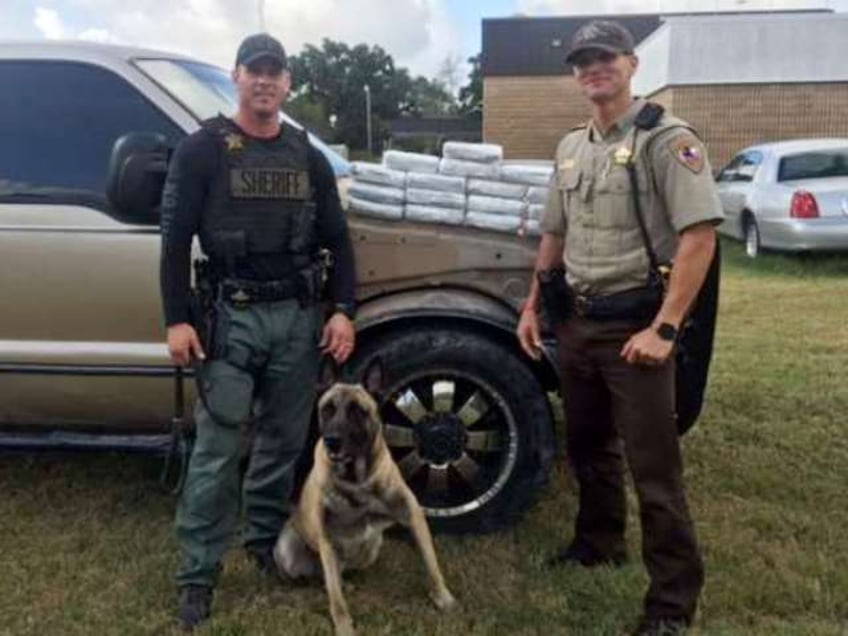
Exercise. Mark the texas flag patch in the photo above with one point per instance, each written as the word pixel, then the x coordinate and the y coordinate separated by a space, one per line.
pixel 688 151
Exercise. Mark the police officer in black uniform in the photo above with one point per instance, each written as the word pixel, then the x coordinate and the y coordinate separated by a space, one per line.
pixel 264 204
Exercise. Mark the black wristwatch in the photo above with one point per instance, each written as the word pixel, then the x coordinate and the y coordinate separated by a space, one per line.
pixel 666 331
pixel 348 309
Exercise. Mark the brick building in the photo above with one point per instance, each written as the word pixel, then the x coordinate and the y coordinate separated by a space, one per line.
pixel 529 95
pixel 738 78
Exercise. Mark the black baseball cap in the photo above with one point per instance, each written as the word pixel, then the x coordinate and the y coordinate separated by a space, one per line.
pixel 258 46
pixel 604 35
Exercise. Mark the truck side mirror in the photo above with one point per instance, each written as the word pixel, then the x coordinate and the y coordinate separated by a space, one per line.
pixel 137 168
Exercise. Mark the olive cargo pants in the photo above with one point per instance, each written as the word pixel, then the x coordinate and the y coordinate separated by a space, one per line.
pixel 608 401
pixel 278 342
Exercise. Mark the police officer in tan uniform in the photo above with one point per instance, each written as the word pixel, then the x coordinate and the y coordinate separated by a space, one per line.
pixel 615 348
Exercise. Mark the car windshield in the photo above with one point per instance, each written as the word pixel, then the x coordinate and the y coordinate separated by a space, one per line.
pixel 207 91
pixel 820 164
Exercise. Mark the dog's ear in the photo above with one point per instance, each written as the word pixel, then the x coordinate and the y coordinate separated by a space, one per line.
pixel 328 373
pixel 372 378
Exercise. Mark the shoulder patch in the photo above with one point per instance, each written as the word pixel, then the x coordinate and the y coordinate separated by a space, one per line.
pixel 689 151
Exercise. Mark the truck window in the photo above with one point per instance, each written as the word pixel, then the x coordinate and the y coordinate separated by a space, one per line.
pixel 59 122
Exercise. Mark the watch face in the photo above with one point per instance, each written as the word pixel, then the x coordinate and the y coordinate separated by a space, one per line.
pixel 667 331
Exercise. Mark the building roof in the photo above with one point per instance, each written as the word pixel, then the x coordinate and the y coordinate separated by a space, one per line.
pixel 537 46
pixel 744 49
pixel 527 46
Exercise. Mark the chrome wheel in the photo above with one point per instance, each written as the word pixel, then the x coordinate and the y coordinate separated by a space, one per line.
pixel 454 439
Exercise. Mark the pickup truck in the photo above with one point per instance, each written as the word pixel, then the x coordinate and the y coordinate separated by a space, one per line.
pixel 83 362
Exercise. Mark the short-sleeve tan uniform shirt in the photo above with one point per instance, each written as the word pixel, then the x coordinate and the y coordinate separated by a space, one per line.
pixel 590 201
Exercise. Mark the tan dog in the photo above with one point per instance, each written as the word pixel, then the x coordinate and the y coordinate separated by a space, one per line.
pixel 353 493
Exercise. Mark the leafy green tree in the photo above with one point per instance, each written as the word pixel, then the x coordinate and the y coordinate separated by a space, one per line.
pixel 329 89
pixel 471 95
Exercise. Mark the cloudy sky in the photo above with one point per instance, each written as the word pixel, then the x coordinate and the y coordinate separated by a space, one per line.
pixel 420 34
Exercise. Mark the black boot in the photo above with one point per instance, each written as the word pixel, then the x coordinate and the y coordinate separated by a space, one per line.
pixel 195 605
pixel 662 626
pixel 581 553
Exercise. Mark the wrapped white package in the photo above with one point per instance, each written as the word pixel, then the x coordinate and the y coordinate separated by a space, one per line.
pixel 410 161
pixel 375 193
pixel 376 173
pixel 528 173
pixel 535 211
pixel 436 198
pixel 494 205
pixel 440 182
pixel 370 208
pixel 496 189
pixel 500 222
pixel 481 153
pixel 537 194
pixel 470 169
pixel 433 214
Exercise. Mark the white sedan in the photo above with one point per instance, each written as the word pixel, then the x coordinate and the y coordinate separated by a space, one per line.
pixel 788 195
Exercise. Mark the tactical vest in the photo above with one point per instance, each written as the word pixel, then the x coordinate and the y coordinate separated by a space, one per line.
pixel 261 200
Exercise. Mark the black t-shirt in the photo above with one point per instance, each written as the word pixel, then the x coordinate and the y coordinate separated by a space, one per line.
pixel 192 169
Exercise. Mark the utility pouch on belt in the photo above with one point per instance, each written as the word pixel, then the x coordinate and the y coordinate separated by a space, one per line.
pixel 557 295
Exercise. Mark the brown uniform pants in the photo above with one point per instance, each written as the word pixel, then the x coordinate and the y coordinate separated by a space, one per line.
pixel 608 401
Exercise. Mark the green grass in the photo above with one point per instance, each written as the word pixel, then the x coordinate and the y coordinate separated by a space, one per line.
pixel 86 544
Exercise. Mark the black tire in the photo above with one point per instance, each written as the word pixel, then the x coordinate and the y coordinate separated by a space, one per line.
pixel 751 231
pixel 511 443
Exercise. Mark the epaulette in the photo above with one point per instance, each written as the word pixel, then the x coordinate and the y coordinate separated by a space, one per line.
pixel 649 117
pixel 302 132
pixel 218 125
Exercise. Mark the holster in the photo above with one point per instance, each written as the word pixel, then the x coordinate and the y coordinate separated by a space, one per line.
pixel 202 304
pixel 311 283
pixel 557 295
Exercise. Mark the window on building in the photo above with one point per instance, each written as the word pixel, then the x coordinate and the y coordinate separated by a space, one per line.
pixel 60 121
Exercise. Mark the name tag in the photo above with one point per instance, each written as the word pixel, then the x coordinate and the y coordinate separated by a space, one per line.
pixel 269 183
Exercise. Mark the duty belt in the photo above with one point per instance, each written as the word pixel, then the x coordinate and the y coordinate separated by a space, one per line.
pixel 242 292
pixel 641 303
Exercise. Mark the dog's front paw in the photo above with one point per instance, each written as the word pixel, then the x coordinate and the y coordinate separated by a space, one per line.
pixel 444 600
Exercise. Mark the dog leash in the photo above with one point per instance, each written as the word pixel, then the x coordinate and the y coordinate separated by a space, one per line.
pixel 182 442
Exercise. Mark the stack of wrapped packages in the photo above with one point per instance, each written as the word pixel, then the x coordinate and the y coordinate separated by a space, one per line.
pixel 470 185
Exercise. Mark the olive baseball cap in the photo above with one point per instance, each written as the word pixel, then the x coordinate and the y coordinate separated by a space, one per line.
pixel 605 35
pixel 258 46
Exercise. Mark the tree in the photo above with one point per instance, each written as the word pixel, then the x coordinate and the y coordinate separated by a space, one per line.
pixel 450 72
pixel 430 99
pixel 329 82
pixel 471 95
pixel 312 114
pixel 335 76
